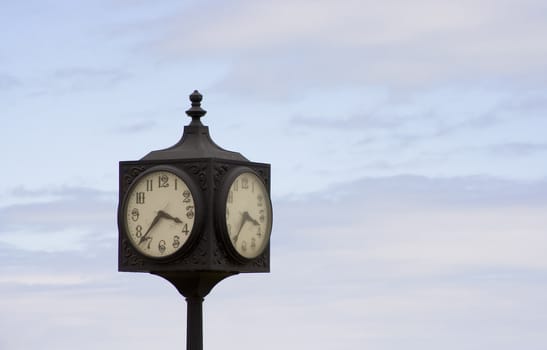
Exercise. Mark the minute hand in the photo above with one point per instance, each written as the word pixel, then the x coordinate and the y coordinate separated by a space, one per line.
pixel 245 217
pixel 154 222
pixel 161 214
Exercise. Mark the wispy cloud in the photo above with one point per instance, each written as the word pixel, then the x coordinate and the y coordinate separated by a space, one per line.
pixel 360 42
pixel 399 129
pixel 392 256
pixel 136 127
pixel 410 251
pixel 80 79
pixel 86 77
pixel 361 122
pixel 57 219
pixel 8 82
pixel 518 148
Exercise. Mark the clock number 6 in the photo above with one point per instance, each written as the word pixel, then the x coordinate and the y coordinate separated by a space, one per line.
pixel 161 246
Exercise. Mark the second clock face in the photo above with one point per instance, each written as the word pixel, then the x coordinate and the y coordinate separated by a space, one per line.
pixel 159 213
pixel 248 215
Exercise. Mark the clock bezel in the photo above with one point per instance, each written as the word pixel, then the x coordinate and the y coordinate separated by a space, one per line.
pixel 220 216
pixel 198 213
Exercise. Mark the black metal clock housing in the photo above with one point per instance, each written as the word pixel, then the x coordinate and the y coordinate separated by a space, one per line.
pixel 244 214
pixel 208 171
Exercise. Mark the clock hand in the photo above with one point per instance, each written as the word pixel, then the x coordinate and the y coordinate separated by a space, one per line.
pixel 256 223
pixel 168 216
pixel 246 217
pixel 161 214
pixel 154 222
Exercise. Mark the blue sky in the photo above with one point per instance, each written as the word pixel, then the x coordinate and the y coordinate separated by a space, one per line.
pixel 409 169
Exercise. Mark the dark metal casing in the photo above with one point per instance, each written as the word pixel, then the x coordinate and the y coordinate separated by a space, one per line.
pixel 207 165
pixel 208 252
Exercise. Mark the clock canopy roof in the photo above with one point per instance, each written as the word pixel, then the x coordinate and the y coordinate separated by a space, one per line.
pixel 195 141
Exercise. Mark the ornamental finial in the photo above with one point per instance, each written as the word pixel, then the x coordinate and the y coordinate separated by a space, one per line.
pixel 196 112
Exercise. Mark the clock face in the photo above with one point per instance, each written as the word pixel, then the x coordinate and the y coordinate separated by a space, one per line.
pixel 248 215
pixel 159 213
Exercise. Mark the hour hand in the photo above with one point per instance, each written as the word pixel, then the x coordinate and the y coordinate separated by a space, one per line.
pixel 247 217
pixel 256 223
pixel 170 217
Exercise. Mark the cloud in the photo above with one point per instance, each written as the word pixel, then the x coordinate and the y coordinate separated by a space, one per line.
pixel 397 44
pixel 415 223
pixel 532 103
pixel 376 262
pixel 518 148
pixel 136 127
pixel 58 219
pixel 80 79
pixel 86 74
pixel 362 122
pixel 8 82
pixel 429 130
pixel 406 260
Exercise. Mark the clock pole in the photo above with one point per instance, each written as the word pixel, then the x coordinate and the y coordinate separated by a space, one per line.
pixel 194 323
pixel 194 286
pixel 178 212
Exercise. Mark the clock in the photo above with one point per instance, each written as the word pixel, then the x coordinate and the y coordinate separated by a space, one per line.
pixel 160 212
pixel 245 214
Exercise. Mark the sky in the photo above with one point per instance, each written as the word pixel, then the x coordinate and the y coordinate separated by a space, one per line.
pixel 408 153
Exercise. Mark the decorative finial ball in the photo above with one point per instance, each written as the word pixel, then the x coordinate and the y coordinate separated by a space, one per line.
pixel 196 98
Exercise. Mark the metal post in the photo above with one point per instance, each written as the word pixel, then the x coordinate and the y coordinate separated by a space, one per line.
pixel 194 323
pixel 194 286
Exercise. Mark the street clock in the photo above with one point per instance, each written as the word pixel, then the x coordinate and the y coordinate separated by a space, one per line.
pixel 194 214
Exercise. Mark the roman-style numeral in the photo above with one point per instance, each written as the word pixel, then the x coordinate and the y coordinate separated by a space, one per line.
pixel 139 197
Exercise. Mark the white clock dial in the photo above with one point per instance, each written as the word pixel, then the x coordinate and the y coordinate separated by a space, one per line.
pixel 248 215
pixel 159 213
